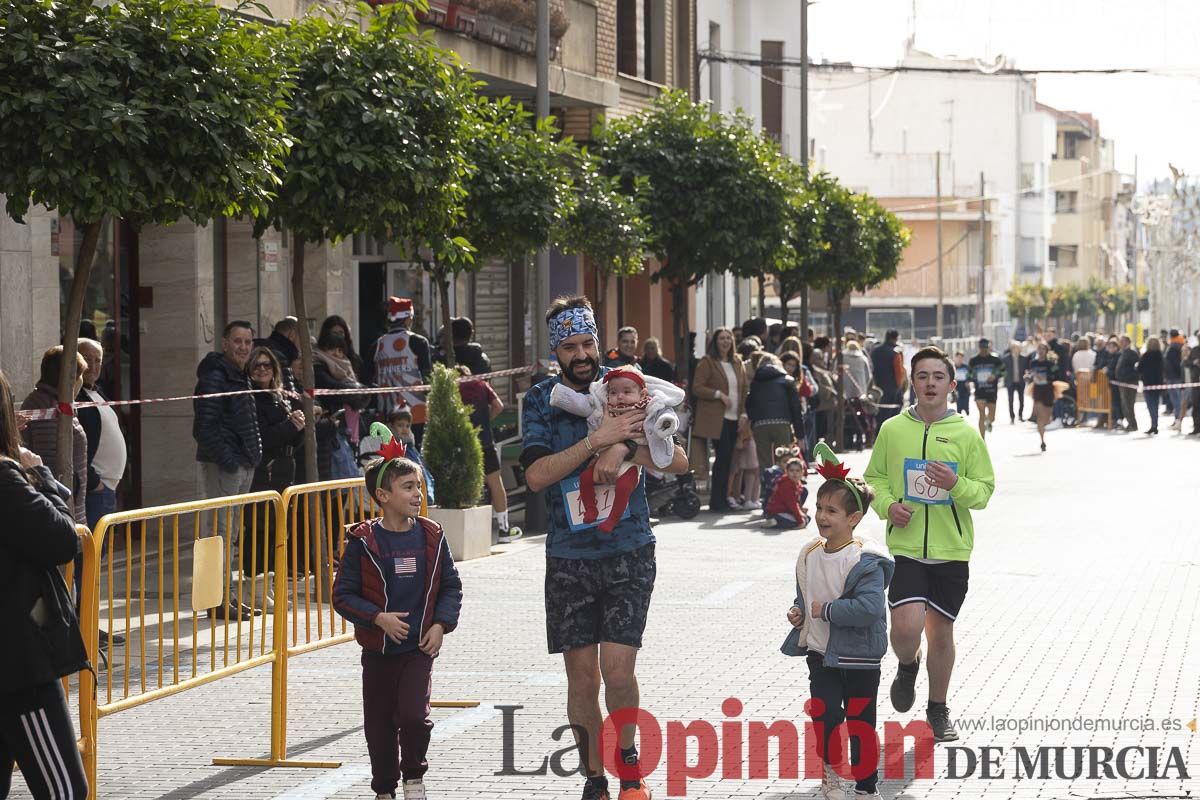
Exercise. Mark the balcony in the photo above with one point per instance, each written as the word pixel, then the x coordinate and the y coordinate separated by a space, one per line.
pixel 495 38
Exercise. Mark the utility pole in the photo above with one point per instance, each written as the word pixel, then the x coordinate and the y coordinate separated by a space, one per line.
pixel 940 277
pixel 535 506
pixel 1137 250
pixel 803 141
pixel 982 256
pixel 541 294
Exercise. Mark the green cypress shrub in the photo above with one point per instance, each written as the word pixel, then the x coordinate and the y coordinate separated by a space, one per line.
pixel 451 448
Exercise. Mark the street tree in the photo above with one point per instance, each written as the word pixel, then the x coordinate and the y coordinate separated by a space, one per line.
pixel 516 193
pixel 716 198
pixel 795 270
pixel 865 244
pixel 149 111
pixel 604 224
pixel 377 114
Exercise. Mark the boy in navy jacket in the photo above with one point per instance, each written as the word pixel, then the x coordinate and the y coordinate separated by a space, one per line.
pixel 398 584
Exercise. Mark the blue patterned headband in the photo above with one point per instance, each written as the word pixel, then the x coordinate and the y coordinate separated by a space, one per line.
pixel 572 322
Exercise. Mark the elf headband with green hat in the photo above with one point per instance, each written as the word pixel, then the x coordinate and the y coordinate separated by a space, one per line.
pixel 831 468
pixel 392 451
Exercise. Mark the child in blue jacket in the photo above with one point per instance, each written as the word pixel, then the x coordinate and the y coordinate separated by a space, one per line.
pixel 397 583
pixel 839 620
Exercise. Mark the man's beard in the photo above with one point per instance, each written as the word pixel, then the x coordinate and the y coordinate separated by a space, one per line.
pixel 568 370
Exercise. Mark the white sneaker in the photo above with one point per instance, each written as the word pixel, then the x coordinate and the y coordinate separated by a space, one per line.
pixel 752 505
pixel 733 503
pixel 831 785
pixel 511 535
pixel 414 790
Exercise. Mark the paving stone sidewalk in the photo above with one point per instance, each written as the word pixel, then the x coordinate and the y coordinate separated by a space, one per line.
pixel 1084 603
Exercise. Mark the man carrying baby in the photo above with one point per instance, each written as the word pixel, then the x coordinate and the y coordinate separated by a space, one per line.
pixel 598 585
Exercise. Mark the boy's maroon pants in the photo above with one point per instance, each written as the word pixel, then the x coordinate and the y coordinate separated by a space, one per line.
pixel 396 714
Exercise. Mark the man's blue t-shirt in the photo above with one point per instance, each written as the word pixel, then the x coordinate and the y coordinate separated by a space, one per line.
pixel 544 426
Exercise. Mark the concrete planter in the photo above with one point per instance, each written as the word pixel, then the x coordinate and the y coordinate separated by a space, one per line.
pixel 468 530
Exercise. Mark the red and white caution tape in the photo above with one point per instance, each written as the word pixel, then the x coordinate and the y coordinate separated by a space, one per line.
pixel 1156 386
pixel 71 408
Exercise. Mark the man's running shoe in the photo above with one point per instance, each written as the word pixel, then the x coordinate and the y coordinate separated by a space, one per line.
pixel 938 717
pixel 414 790
pixel 592 791
pixel 511 535
pixel 904 692
pixel 634 790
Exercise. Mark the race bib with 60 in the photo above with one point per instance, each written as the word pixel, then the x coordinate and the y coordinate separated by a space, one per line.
pixel 917 487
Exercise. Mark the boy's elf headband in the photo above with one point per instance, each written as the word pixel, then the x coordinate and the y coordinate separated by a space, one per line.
pixel 831 469
pixel 572 322
pixel 392 451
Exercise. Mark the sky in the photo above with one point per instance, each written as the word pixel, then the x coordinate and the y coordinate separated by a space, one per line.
pixel 1155 117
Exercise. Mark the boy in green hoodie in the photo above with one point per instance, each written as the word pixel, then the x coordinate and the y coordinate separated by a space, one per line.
pixel 928 469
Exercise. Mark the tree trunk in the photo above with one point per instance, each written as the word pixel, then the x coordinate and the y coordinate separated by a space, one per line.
pixel 783 308
pixel 762 296
pixel 839 423
pixel 804 314
pixel 68 372
pixel 306 361
pixel 601 305
pixel 679 326
pixel 443 284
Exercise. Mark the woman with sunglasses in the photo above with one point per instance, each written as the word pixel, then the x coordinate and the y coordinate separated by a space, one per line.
pixel 280 423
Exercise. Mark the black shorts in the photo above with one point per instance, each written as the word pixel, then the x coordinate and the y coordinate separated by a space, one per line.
pixel 491 459
pixel 942 587
pixel 589 601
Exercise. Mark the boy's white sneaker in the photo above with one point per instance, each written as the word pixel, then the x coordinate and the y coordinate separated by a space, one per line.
pixel 752 505
pixel 831 785
pixel 414 790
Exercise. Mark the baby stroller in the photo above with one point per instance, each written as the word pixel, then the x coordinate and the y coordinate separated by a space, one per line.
pixel 672 495
pixel 1066 410
pixel 675 495
pixel 860 424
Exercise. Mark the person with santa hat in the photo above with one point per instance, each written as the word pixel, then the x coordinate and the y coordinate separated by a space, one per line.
pixel 403 358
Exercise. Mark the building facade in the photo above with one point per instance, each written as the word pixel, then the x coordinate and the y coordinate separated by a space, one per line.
pixel 160 296
pixel 897 136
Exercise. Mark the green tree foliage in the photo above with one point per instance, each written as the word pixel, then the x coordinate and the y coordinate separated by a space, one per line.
pixel 516 193
pixel 147 110
pixel 717 194
pixel 377 114
pixel 604 224
pixel 451 447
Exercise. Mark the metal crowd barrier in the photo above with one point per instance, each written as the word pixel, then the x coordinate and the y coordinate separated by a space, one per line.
pixel 145 587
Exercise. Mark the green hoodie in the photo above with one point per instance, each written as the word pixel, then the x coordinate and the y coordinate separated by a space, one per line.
pixel 934 531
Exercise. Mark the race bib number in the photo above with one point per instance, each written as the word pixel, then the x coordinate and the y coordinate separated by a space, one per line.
pixel 961 374
pixel 1040 377
pixel 917 487
pixel 574 504
pixel 984 374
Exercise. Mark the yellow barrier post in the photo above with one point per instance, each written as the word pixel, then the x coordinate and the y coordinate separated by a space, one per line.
pixel 298 511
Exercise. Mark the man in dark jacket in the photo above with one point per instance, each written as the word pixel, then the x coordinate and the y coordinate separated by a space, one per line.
pixel 887 365
pixel 1126 373
pixel 228 445
pixel 654 364
pixel 284 342
pixel 773 406
pixel 625 353
pixel 466 352
pixel 1173 376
